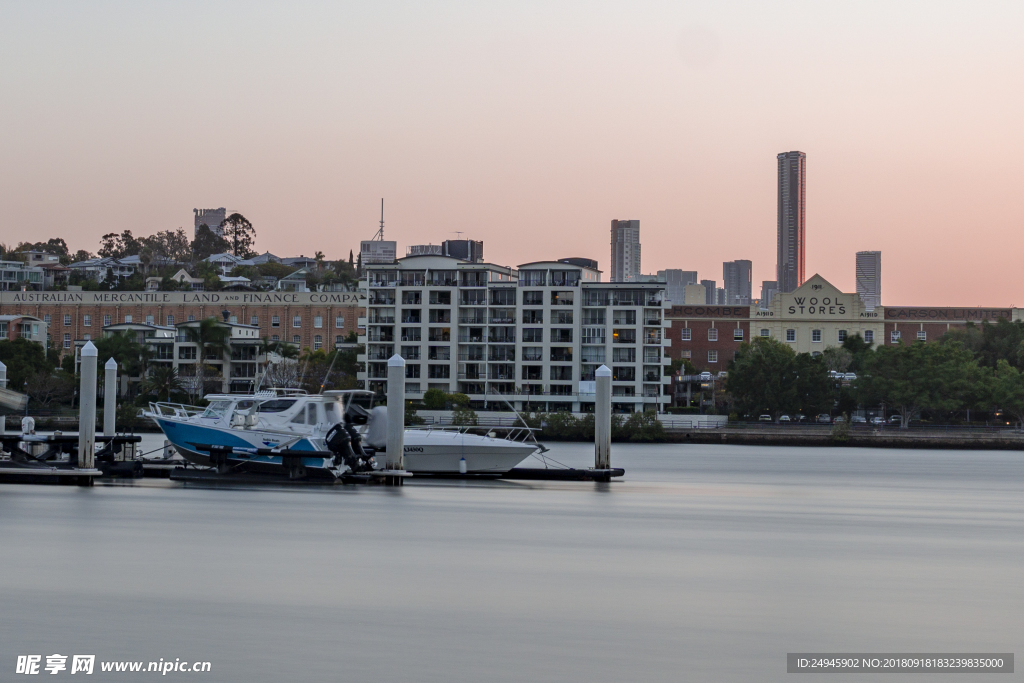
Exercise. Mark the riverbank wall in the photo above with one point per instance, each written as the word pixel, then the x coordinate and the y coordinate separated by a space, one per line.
pixel 888 437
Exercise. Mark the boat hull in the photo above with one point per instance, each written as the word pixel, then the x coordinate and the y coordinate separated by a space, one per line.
pixel 426 451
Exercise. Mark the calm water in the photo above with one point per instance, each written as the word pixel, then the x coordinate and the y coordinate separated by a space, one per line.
pixel 707 563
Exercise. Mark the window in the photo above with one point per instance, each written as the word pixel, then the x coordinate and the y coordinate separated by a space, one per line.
pixel 816 336
pixel 318 321
pixel 737 334
pixel 67 321
pixel 297 321
pixel 439 353
pixel 67 341
pixel 339 321
pixel 46 318
pixel 410 334
pixel 533 334
pixel 869 336
pixel 412 388
pixel 233 319
pixel 594 335
pixel 922 335
pixel 712 356
pixel 339 339
pixel 127 318
pixel 592 354
pixel 894 336
pixel 254 320
pixel 623 374
pixel 444 298
pixel 318 342
pixel 106 320
pixel 191 318
pixel 187 353
pixel 593 316
pixel 532 371
pixel 791 335
pixel 560 336
pixel 561 372
pixel 685 334
pixel 296 339
pixel 842 336
pixel 686 354
pixel 87 320
pixel 623 355
pixel 533 298
pixel 87 337
pixel 537 353
pixel 765 332
pixel 412 371
pixel 411 298
pixel 561 317
pixel 624 317
pixel 276 337
pixel 531 317
pixel 439 334
pixel 149 320
pixel 439 371
pixel 170 320
pixel 411 353
pixel 713 334
pixel 275 321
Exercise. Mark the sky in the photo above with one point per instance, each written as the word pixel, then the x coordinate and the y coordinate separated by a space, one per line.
pixel 531 125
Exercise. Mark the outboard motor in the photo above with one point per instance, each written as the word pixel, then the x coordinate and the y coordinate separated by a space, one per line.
pixel 344 442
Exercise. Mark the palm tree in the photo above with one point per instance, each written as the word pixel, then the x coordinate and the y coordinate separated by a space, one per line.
pixel 163 381
pixel 212 338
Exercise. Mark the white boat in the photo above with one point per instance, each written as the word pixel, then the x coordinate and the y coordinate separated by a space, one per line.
pixel 294 420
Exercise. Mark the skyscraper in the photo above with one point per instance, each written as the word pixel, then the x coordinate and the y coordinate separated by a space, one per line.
pixel 736 278
pixel 709 290
pixel 792 196
pixel 869 278
pixel 675 283
pixel 768 290
pixel 211 218
pixel 625 266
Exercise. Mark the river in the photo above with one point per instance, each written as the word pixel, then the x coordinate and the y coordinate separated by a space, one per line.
pixel 706 563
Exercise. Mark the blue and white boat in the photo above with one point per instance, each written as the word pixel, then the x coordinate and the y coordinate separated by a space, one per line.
pixel 293 420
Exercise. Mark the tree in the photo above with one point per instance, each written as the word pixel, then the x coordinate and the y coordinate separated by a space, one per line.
pixel 435 399
pixel 211 337
pixel 23 359
pixel 762 378
pixel 117 246
pixel 992 342
pixel 163 381
pixel 918 376
pixel 1008 390
pixel 207 243
pixel 814 388
pixel 46 386
pixel 240 235
pixel 837 359
pixel 170 244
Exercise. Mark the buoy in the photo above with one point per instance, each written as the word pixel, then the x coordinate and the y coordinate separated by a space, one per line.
pixel 462 465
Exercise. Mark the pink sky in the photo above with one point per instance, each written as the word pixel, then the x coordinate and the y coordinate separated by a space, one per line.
pixel 531 126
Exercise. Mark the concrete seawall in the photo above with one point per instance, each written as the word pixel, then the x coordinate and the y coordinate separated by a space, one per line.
pixel 965 439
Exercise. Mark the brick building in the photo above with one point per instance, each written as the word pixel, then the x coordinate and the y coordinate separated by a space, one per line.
pixel 708 336
pixel 908 324
pixel 312 320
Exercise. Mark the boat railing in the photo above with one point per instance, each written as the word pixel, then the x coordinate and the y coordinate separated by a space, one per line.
pixel 179 410
pixel 511 432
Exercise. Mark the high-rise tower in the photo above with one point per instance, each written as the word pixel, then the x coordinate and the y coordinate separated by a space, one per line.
pixel 869 278
pixel 736 278
pixel 792 197
pixel 625 265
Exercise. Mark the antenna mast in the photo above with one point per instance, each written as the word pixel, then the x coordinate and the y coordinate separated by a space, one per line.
pixel 380 233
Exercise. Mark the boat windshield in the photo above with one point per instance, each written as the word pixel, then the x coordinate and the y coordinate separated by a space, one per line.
pixel 216 409
pixel 278 405
pixel 332 409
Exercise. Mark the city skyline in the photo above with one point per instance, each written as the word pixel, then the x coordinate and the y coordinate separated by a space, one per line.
pixel 442 118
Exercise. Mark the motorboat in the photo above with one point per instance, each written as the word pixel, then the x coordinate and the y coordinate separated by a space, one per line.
pixel 292 420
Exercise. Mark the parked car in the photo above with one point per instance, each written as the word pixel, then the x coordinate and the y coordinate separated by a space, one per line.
pixel 878 420
pixel 800 417
pixel 839 420
pixel 784 418
pixel 824 418
pixel 894 419
pixel 858 420
pixel 705 376
pixel 850 376
pixel 764 418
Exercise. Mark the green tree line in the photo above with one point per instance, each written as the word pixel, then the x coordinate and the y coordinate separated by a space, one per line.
pixel 977 368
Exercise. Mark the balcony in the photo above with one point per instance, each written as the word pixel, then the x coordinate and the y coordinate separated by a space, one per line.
pixel 466 338
pixel 474 317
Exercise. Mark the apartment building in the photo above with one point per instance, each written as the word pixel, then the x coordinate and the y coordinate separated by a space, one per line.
pixel 532 336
